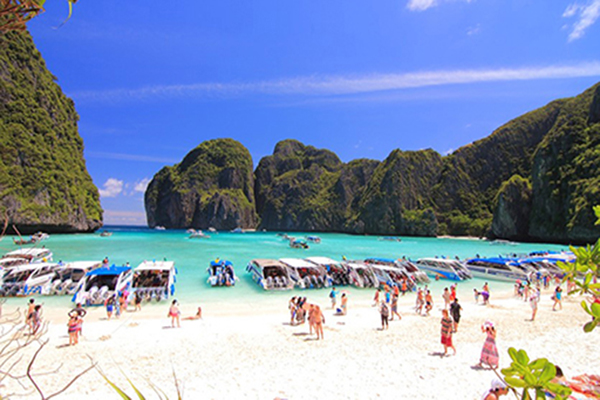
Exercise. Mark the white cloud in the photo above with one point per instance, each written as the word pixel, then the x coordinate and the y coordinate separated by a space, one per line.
pixel 473 30
pixel 140 186
pixel 586 15
pixel 112 188
pixel 422 5
pixel 336 85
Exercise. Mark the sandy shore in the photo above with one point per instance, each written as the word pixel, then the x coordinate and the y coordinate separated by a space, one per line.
pixel 258 355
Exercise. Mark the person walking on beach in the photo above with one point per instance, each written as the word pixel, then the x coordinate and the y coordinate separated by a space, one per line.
pixel 319 320
pixel 333 297
pixel 455 309
pixel 428 303
pixel 446 297
pixel 110 305
pixel 385 314
pixel 30 309
pixel 174 313
pixel 557 298
pixel 395 308
pixel 293 307
pixel 74 327
pixel 533 302
pixel 489 353
pixel 452 292
pixel 447 332
pixel 376 297
pixel 137 301
pixel 497 389
pixel 419 302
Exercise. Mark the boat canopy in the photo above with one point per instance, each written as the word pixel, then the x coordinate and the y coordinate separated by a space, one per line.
pixel 154 265
pixel 29 253
pixel 381 260
pixel 265 262
pixel 112 270
pixel 496 260
pixel 220 263
pixel 323 261
pixel 297 263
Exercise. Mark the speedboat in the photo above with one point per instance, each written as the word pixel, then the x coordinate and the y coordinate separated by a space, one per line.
pixel 414 271
pixel 401 272
pixel 31 255
pixel 154 280
pixel 313 239
pixel 501 269
pixel 101 283
pixel 270 274
pixel 221 273
pixel 361 274
pixel 338 273
pixel 198 235
pixel 38 236
pixel 298 244
pixel 68 276
pixel 305 274
pixel 444 268
pixel 391 239
pixel 28 279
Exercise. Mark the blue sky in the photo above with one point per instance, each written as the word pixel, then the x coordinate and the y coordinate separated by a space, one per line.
pixel 152 80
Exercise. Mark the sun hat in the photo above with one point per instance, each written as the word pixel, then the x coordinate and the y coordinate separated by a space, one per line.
pixel 498 384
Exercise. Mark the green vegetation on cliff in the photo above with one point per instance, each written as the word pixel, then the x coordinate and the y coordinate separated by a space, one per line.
pixel 44 183
pixel 211 187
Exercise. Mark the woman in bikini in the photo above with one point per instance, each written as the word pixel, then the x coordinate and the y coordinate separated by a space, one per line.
pixel 174 313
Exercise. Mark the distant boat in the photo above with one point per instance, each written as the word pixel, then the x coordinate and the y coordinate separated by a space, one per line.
pixel 237 230
pixel 198 235
pixel 160 228
pixel 212 230
pixel 298 244
pixel 391 239
pixel 313 239
pixel 105 234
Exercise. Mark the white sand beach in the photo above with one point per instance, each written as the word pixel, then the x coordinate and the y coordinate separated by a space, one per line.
pixel 256 354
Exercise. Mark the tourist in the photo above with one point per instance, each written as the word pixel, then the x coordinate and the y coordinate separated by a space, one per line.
pixel 428 303
pixel 447 332
pixel 533 302
pixel 30 309
pixel 292 306
pixel 452 292
pixel 385 313
pixel 332 296
pixel 489 353
pixel 344 307
pixel 376 297
pixel 311 318
pixel 395 308
pixel 196 316
pixel 404 287
pixel 420 301
pixel 455 310
pixel 497 389
pixel 318 320
pixel 36 319
pixel 476 295
pixel 174 313
pixel 110 305
pixel 557 298
pixel 74 327
pixel 137 301
pixel 485 294
pixel 446 297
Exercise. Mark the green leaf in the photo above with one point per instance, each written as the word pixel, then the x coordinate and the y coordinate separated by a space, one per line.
pixel 597 212
pixel 585 307
pixel 530 379
pixel 559 389
pixel 512 352
pixel 115 387
pixel 540 394
pixel 596 309
pixel 522 357
pixel 587 328
pixel 538 364
pixel 515 382
pixel 548 373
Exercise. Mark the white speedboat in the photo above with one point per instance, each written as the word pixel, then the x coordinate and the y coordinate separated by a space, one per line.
pixel 338 274
pixel 31 255
pixel 361 275
pixel 221 273
pixel 500 269
pixel 28 279
pixel 101 283
pixel 154 280
pixel 198 235
pixel 270 274
pixel 305 274
pixel 444 268
pixel 396 272
pixel 68 276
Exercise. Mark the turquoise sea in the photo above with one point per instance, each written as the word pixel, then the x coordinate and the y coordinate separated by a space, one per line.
pixel 192 256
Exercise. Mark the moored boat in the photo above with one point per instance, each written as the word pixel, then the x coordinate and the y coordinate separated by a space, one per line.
pixel 497 268
pixel 361 274
pixel 313 239
pixel 154 280
pixel 305 274
pixel 221 273
pixel 31 255
pixel 68 276
pixel 270 274
pixel 298 244
pixel 101 283
pixel 337 273
pixel 28 279
pixel 444 268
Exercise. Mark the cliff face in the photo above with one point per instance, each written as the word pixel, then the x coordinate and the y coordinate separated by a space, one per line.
pixel 44 183
pixel 535 178
pixel 211 187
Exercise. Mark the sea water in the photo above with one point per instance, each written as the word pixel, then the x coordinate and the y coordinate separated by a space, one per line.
pixel 192 257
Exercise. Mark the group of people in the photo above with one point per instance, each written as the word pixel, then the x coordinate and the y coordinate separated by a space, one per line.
pixel 301 310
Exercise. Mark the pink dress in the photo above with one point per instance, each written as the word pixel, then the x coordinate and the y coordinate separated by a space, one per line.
pixel 489 353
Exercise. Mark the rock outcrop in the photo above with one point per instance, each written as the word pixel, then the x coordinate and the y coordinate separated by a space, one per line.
pixel 44 183
pixel 211 187
pixel 512 211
